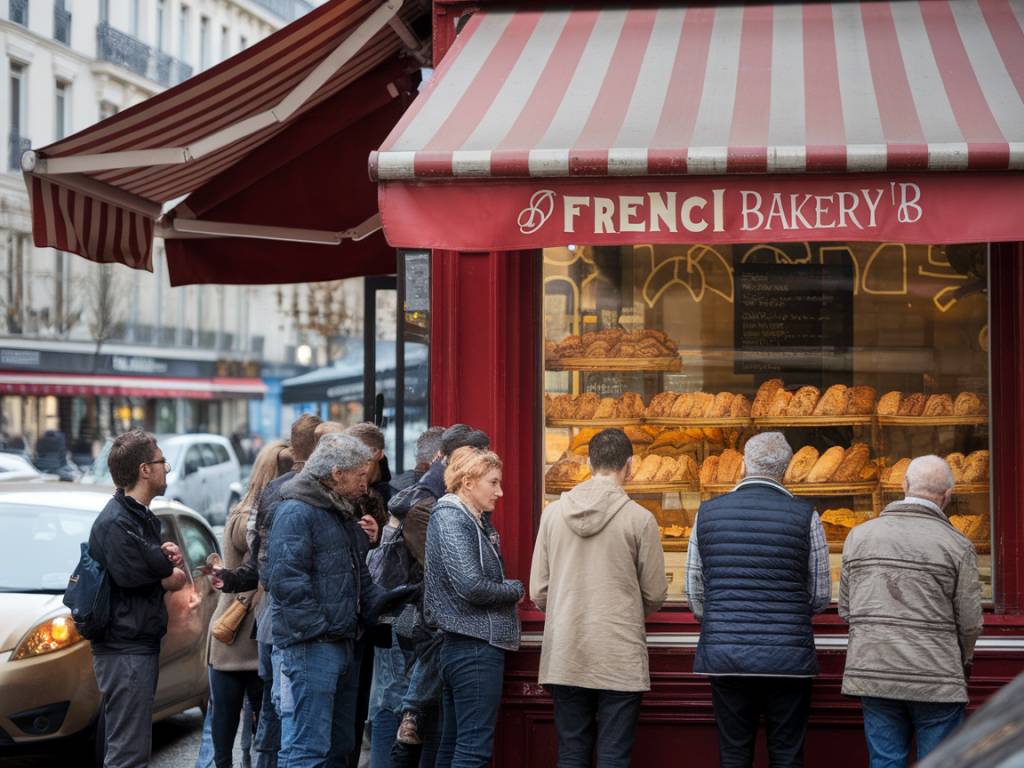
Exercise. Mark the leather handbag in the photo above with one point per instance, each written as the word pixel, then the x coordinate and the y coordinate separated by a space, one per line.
pixel 226 627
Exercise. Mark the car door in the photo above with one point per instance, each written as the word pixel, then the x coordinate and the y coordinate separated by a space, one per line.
pixel 183 655
pixel 191 492
pixel 211 485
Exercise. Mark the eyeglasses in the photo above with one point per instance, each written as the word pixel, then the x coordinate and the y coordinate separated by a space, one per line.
pixel 165 462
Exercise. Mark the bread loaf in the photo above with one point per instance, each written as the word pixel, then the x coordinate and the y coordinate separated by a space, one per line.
pixel 897 472
pixel 826 465
pixel 605 409
pixel 764 396
pixel 703 403
pixel 682 406
pixel 686 469
pixel 660 404
pixel 779 403
pixel 833 402
pixel 956 466
pixel 868 472
pixel 709 470
pixel 938 405
pixel 585 406
pixel 648 469
pixel 889 404
pixel 740 407
pixel 730 466
pixel 803 402
pixel 629 406
pixel 862 401
pixel 854 460
pixel 638 435
pixel 801 464
pixel 968 404
pixel 666 470
pixel 976 467
pixel 722 405
pixel 912 405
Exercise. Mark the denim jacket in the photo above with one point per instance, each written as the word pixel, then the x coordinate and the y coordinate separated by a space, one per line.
pixel 466 590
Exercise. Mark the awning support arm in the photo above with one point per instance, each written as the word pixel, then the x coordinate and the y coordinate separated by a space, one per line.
pixel 32 163
pixel 197 228
pixel 109 194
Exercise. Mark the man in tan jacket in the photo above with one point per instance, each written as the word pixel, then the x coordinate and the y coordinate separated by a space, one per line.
pixel 910 591
pixel 598 571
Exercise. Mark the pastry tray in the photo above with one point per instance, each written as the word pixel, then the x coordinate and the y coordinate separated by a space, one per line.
pixel 559 487
pixel 595 423
pixel 709 422
pixel 812 421
pixel 615 364
pixel 931 421
pixel 810 489
pixel 960 489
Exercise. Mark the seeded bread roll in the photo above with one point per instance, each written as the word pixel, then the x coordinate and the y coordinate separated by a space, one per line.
pixel 854 460
pixel 968 404
pixel 740 407
pixel 779 403
pixel 889 405
pixel 862 400
pixel 764 396
pixel 722 405
pixel 826 465
pixel 708 470
pixel 976 467
pixel 660 404
pixel 956 466
pixel 938 405
pixel 897 472
pixel 682 406
pixel 702 405
pixel 912 405
pixel 586 405
pixel 648 469
pixel 730 466
pixel 605 409
pixel 803 402
pixel 833 402
pixel 801 463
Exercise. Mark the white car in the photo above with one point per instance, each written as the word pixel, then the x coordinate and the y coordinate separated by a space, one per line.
pixel 204 474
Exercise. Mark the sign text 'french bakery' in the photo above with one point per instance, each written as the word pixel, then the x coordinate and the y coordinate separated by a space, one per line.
pixel 757 211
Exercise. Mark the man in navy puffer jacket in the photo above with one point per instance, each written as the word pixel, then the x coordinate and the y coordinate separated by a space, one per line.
pixel 323 596
pixel 757 570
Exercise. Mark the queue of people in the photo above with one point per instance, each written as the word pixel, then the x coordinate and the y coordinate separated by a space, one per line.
pixel 345 601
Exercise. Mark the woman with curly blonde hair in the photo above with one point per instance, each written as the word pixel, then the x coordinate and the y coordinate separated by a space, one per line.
pixel 469 599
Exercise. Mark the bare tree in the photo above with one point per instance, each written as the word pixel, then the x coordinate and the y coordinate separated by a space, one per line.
pixel 319 308
pixel 106 310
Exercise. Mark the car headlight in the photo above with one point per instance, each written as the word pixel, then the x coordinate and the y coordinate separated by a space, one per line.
pixel 54 634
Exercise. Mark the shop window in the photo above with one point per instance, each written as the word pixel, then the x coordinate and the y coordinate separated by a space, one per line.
pixel 864 355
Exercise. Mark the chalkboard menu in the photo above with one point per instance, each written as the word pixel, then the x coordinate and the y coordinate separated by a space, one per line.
pixel 793 318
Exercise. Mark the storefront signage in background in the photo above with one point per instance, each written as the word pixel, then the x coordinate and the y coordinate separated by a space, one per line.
pixel 799 318
pixel 928 208
pixel 127 364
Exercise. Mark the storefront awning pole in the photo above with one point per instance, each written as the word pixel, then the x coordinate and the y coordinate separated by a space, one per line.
pixel 179 228
pixel 32 163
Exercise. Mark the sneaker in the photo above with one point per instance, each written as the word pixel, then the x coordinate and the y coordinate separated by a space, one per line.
pixel 408 732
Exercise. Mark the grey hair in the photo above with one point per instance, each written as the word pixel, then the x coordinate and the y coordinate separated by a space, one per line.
pixel 336 451
pixel 428 444
pixel 929 476
pixel 767 454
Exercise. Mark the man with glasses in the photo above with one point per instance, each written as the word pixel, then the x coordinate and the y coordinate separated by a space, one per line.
pixel 125 540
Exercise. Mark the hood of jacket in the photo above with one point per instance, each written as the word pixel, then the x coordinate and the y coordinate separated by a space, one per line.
pixel 589 507
pixel 311 491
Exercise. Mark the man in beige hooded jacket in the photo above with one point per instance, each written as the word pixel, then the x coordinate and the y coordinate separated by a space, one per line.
pixel 598 571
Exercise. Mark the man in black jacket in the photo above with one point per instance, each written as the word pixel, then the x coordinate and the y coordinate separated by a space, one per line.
pixel 125 540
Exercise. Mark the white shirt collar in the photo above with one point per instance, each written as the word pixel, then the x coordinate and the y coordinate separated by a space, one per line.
pixel 923 503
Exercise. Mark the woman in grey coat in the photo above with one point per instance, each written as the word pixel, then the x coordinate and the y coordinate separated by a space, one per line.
pixel 469 599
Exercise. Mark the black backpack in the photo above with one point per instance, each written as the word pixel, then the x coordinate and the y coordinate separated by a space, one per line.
pixel 88 596
pixel 390 563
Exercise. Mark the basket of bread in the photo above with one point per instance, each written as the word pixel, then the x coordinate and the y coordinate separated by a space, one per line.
pixel 723 409
pixel 970 473
pixel 590 408
pixel 613 350
pixel 776 406
pixel 918 409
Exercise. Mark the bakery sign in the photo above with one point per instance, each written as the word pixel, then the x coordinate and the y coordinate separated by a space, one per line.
pixel 514 214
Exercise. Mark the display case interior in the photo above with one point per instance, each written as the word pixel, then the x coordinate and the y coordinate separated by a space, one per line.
pixel 864 355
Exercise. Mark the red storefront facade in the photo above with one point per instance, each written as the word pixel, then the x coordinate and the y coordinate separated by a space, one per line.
pixel 487 216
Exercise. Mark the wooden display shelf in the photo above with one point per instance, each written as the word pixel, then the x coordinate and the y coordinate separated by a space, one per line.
pixel 810 489
pixel 812 421
pixel 675 543
pixel 594 423
pixel 559 487
pixel 931 421
pixel 735 422
pixel 612 364
pixel 960 489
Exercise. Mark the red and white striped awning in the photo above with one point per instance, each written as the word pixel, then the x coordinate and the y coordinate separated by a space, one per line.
pixel 784 88
pixel 69 384
pixel 100 192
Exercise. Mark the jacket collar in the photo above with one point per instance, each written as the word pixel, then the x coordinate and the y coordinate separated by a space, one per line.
pixel 761 480
pixel 915 506
pixel 144 513
pixel 310 490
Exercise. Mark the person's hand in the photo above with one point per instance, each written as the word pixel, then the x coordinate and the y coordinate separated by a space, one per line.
pixel 216 578
pixel 173 553
pixel 370 528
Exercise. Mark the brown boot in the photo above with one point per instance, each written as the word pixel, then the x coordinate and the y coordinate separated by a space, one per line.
pixel 408 732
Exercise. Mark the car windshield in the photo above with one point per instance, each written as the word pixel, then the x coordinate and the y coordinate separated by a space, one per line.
pixel 40 546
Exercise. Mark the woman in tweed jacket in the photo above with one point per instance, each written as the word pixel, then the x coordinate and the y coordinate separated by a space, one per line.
pixel 469 599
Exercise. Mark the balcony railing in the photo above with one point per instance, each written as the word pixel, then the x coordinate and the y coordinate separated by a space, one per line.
pixel 289 10
pixel 17 11
pixel 61 25
pixel 128 51
pixel 17 145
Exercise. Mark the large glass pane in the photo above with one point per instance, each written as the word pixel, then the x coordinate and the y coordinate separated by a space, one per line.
pixel 864 355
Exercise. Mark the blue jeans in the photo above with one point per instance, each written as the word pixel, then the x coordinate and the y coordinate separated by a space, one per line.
pixel 267 740
pixel 382 737
pixel 424 691
pixel 890 724
pixel 205 757
pixel 472 672
pixel 319 685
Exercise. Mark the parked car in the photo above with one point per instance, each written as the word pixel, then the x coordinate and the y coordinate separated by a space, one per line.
pixel 204 473
pixel 16 468
pixel 47 687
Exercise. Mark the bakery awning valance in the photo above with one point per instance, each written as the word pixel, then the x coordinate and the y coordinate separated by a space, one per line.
pixel 555 101
pixel 65 384
pixel 269 145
